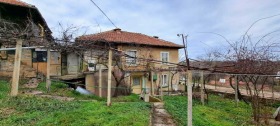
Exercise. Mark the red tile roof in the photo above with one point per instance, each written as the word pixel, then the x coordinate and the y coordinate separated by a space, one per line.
pixel 16 2
pixel 119 36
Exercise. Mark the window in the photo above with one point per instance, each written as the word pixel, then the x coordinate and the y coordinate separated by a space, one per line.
pixel 165 57
pixel 164 80
pixel 136 80
pixel 130 60
pixel 11 52
pixel 39 56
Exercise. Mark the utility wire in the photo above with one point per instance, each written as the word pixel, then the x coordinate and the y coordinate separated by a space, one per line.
pixel 103 13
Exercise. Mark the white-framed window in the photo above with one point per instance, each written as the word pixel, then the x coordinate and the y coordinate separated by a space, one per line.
pixel 164 57
pixel 131 60
pixel 164 80
pixel 136 80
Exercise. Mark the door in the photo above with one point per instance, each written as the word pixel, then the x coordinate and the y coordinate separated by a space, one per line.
pixel 72 63
pixel 55 64
pixel 64 64
pixel 144 84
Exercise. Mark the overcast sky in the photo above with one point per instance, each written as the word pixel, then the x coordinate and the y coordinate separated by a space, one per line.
pixel 167 18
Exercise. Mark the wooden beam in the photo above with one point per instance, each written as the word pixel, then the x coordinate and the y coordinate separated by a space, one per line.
pixel 16 71
pixel 189 98
pixel 109 78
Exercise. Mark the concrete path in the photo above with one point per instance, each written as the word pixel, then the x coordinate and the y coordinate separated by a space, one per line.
pixel 160 116
pixel 265 94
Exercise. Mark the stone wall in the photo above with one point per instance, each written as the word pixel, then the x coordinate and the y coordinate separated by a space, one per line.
pixel 7 64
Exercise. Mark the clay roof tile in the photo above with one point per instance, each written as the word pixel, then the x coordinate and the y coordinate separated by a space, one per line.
pixel 119 36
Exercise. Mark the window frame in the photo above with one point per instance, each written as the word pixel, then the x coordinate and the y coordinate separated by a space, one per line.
pixel 39 56
pixel 136 77
pixel 163 84
pixel 161 57
pixel 128 60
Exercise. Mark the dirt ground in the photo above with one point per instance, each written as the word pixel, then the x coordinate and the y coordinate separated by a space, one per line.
pixel 160 117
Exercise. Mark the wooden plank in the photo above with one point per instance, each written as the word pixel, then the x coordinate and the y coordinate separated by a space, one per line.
pixel 16 71
pixel 40 67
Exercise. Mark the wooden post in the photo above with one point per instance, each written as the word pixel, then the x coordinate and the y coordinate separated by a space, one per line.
pixel 169 82
pixel 160 83
pixel 100 81
pixel 16 71
pixel 189 98
pixel 215 81
pixel 109 78
pixel 272 90
pixel 236 90
pixel 48 81
pixel 152 83
pixel 202 88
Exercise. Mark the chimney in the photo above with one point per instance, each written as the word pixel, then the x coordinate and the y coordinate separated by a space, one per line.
pixel 117 29
pixel 155 37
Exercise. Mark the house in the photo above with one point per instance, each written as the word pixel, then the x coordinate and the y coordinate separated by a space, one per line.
pixel 34 56
pixel 139 59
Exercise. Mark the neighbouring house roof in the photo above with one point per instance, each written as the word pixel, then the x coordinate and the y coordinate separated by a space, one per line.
pixel 237 67
pixel 29 9
pixel 17 3
pixel 124 37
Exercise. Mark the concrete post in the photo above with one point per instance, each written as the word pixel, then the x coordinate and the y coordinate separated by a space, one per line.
pixel 109 78
pixel 189 98
pixel 16 71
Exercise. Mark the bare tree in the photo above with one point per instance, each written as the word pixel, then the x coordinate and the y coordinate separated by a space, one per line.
pixel 252 60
